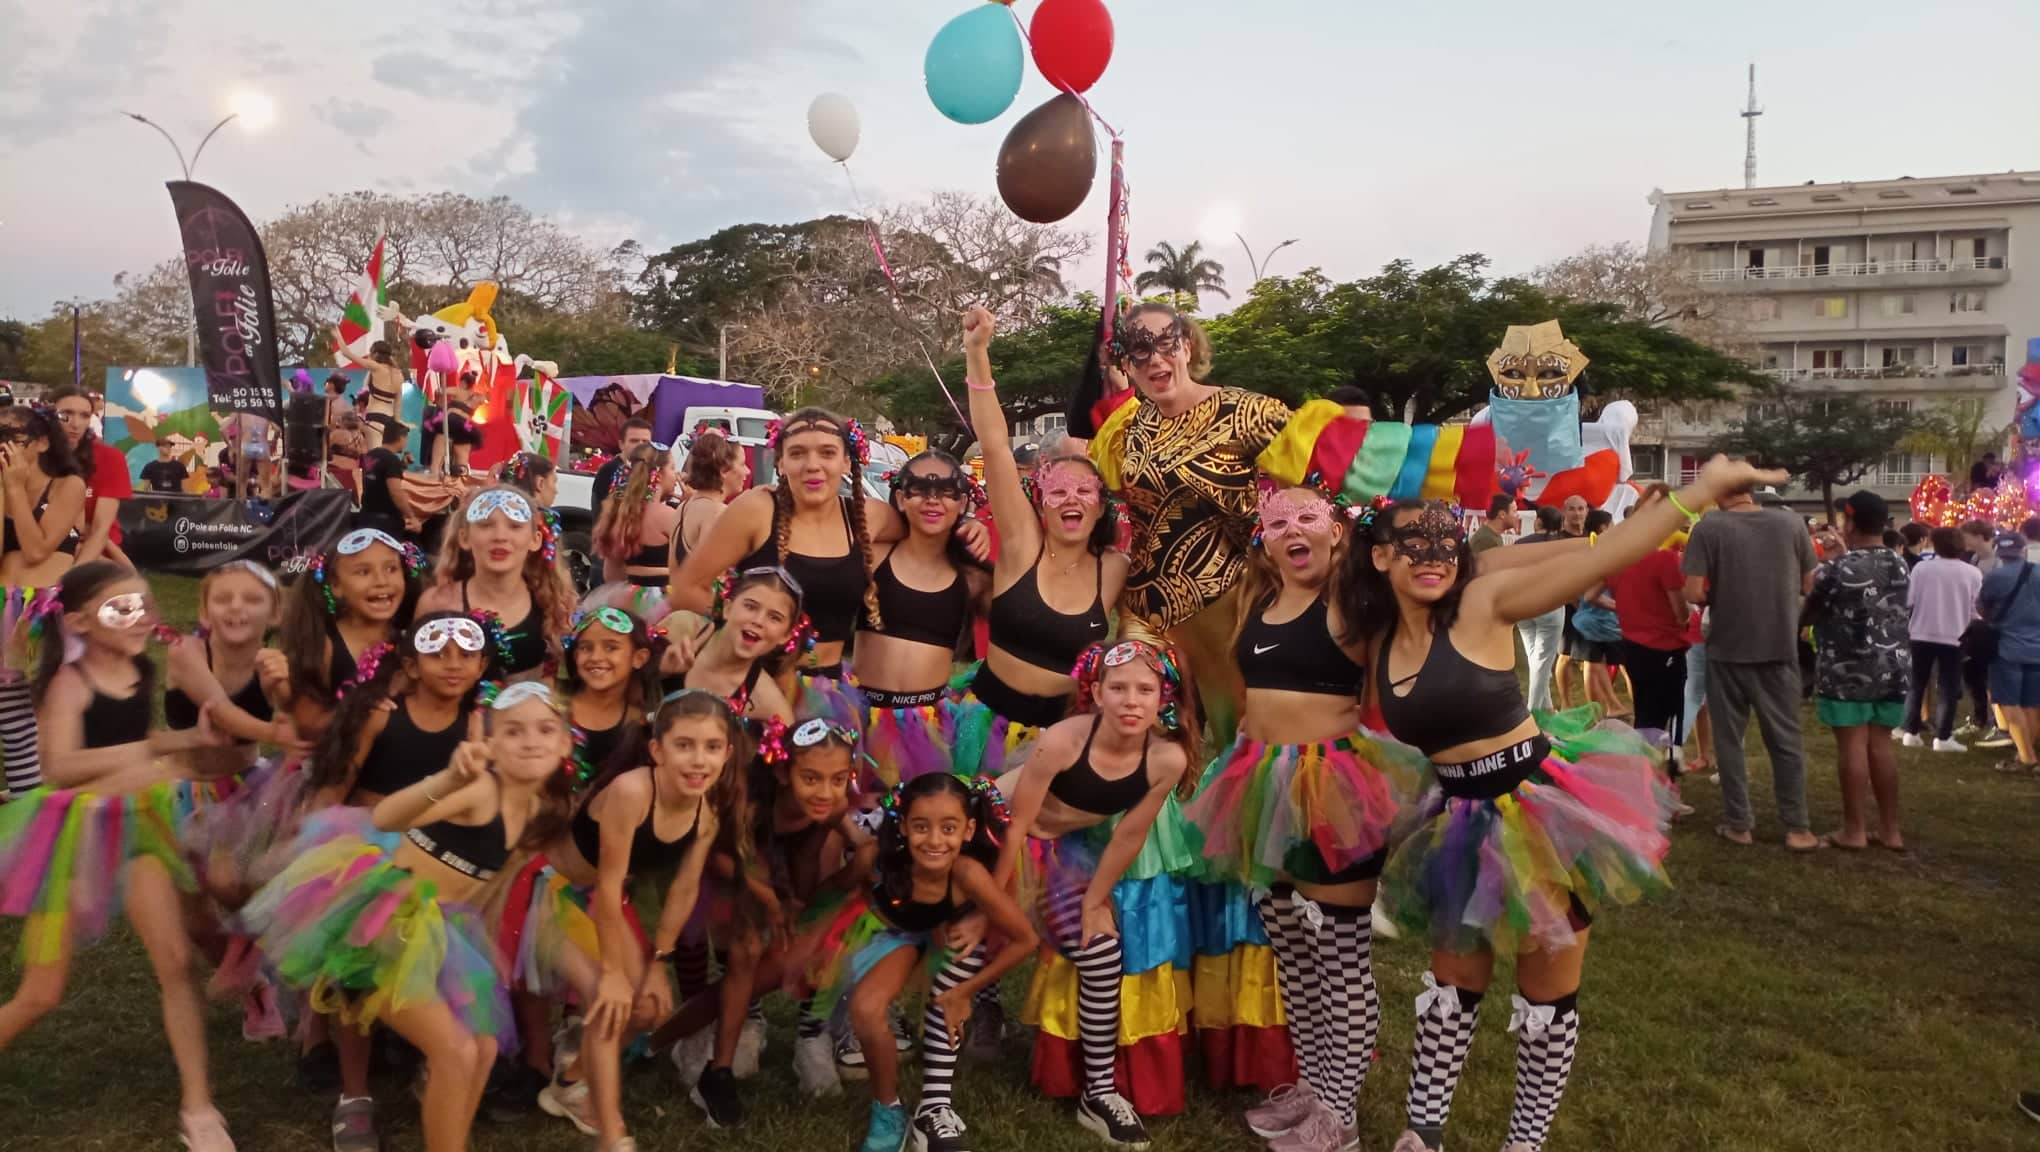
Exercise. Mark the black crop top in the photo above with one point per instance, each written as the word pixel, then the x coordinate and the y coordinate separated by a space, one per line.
pixel 1296 656
pixel 180 712
pixel 648 853
pixel 912 915
pixel 476 850
pixel 404 753
pixel 832 587
pixel 1451 700
pixel 1023 625
pixel 340 666
pixel 933 618
pixel 528 647
pixel 1080 786
pixel 111 721
pixel 9 542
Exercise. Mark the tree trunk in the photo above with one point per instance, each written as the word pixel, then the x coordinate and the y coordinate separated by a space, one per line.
pixel 1827 499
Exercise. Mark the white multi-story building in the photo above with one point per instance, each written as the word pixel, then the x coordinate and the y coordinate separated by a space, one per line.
pixel 1908 290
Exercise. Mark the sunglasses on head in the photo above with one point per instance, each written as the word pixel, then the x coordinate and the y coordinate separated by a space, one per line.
pixel 774 570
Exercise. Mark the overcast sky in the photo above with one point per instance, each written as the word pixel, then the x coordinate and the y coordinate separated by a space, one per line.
pixel 1367 129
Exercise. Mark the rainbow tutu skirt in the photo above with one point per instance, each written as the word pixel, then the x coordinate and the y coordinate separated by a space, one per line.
pixel 367 939
pixel 841 939
pixel 1586 827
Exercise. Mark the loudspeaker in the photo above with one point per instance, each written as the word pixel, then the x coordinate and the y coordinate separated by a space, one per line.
pixel 304 429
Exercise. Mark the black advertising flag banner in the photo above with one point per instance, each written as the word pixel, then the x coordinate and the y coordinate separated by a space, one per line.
pixel 190 536
pixel 230 294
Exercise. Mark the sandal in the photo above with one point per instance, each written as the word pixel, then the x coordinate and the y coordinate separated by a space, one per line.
pixel 1740 839
pixel 1834 840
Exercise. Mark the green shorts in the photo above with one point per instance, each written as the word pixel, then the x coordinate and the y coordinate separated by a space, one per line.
pixel 1851 713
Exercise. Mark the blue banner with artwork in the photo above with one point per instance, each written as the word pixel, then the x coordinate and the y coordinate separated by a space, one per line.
pixel 148 407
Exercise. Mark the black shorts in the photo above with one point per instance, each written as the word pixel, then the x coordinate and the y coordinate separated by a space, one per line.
pixel 1591 651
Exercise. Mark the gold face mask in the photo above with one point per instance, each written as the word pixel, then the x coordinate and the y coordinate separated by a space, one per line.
pixel 1535 362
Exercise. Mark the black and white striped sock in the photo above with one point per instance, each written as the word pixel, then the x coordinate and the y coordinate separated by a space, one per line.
pixel 1350 1018
pixel 1445 1022
pixel 1295 971
pixel 1547 1037
pixel 1099 969
pixel 809 1025
pixel 938 1055
pixel 17 737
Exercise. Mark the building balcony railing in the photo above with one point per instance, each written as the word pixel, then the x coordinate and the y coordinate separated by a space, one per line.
pixel 1860 268
pixel 1894 372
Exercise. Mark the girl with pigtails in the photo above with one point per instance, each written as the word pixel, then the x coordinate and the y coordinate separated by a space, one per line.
pixel 105 826
pixel 929 590
pixel 634 527
pixel 1056 577
pixel 1096 842
pixel 1529 821
pixel 376 917
pixel 503 559
pixel 938 846
pixel 355 597
pixel 676 797
pixel 823 537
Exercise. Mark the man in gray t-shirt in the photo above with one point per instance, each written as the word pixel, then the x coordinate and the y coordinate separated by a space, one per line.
pixel 1752 567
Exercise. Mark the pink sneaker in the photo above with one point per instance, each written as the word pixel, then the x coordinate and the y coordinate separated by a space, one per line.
pixel 1284 1109
pixel 260 1019
pixel 205 1131
pixel 1318 1132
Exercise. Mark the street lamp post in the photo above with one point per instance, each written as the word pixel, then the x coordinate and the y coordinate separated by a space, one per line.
pixel 188 166
pixel 1260 267
pixel 722 370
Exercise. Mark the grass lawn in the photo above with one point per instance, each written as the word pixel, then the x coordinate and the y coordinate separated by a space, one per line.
pixel 1770 1002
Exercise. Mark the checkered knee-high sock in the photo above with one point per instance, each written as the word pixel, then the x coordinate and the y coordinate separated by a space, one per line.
pixel 1296 976
pixel 938 1054
pixel 1547 1036
pixel 1445 1021
pixel 1351 1007
pixel 1099 968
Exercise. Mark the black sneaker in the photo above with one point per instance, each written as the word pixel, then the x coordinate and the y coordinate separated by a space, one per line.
pixel 938 1129
pixel 2029 1103
pixel 987 1031
pixel 1114 1120
pixel 716 1095
pixel 318 1071
pixel 512 1094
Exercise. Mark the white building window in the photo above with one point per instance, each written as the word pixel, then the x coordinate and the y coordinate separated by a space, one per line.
pixel 1966 301
pixel 1899 357
pixel 1899 305
pixel 1762 309
pixel 1965 355
pixel 1647 461
pixel 1831 308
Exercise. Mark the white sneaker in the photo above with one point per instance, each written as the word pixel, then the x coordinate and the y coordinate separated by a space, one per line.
pixel 1909 739
pixel 814 1063
pixel 692 1054
pixel 569 1102
pixel 750 1046
pixel 1384 928
pixel 1944 745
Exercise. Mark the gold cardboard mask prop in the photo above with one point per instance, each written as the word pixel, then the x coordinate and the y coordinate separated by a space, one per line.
pixel 1535 362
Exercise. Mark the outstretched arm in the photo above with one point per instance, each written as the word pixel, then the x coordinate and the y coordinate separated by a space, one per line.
pixel 1019 531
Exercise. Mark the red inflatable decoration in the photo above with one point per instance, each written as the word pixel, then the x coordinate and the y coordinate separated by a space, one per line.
pixel 1072 42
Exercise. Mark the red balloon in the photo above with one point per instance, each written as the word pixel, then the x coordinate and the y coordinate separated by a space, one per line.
pixel 1072 42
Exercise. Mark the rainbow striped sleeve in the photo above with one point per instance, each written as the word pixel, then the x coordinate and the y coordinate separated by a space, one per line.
pixel 1401 461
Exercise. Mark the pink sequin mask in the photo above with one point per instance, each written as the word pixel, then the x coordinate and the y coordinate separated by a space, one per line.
pixel 1287 513
pixel 1062 485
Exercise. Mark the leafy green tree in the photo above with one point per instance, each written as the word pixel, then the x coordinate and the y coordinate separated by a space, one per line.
pixel 1825 439
pixel 1957 430
pixel 1038 368
pixel 1185 273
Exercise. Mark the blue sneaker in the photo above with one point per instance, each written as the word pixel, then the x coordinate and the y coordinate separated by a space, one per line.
pixel 888 1128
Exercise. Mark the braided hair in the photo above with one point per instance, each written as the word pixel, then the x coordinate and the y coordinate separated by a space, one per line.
pixel 857 449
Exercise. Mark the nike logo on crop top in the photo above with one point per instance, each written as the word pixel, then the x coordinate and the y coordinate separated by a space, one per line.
pixel 1258 650
pixel 1508 759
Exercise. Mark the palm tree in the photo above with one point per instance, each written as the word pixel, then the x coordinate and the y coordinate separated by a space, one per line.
pixel 1183 272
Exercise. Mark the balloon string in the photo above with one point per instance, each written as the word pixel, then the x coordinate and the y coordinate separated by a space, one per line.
pixel 885 266
pixel 1020 24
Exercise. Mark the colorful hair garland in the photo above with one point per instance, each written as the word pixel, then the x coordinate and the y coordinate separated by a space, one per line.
pixel 804 635
pixel 412 556
pixel 1096 660
pixel 850 430
pixel 772 743
pixel 366 666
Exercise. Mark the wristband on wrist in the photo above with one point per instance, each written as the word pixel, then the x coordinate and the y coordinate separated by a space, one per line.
pixel 977 387
pixel 1692 517
pixel 661 955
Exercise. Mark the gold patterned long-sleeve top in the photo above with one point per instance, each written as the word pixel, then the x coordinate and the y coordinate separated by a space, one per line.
pixel 1188 482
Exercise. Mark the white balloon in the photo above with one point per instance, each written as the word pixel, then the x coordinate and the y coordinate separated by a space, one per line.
pixel 832 121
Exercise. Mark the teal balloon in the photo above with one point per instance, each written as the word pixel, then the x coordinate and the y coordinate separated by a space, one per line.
pixel 975 65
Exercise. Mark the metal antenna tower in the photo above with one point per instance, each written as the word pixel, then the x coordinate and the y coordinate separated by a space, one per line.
pixel 1749 115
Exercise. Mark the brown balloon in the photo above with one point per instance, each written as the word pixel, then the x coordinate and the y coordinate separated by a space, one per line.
pixel 1048 161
